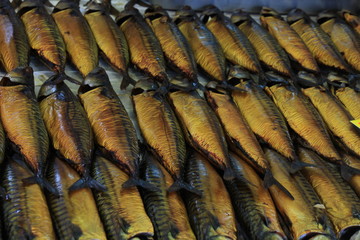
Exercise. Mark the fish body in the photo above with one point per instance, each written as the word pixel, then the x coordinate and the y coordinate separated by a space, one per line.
pixel 75 214
pixel 14 48
pixel 79 40
pixel 354 180
pixel 350 98
pixel 316 40
pixel 207 50
pixel 335 116
pixel 121 209
pixel 352 19
pixel 288 39
pixel 173 43
pixel 43 34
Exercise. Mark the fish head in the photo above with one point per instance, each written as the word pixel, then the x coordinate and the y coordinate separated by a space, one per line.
pixel 275 78
pixel 295 15
pixel 54 84
pixel 125 15
pixel 211 12
pixel 19 76
pixel 307 79
pixel 95 6
pixel 336 79
pixel 96 78
pixel 269 12
pixel 239 17
pixel 213 86
pixel 66 4
pixel 144 85
pixel 182 84
pixel 185 14
pixel 325 16
pixel 236 74
pixel 156 12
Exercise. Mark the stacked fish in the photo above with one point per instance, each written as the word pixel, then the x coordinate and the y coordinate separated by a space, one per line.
pixel 265 150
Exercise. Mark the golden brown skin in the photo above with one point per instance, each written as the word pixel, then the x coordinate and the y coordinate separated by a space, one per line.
pixel 121 209
pixel 14 46
pixel 350 98
pixel 25 212
pixel 173 43
pixel 345 39
pixel 75 211
pixel 207 51
pixel 44 36
pixel 288 39
pixel 335 116
pixel 303 118
pixel 354 181
pixel 79 40
pixel 145 49
pixel 316 40
pixel 268 50
pixel 341 202
pixel 301 214
pixel 263 117
pixel 352 19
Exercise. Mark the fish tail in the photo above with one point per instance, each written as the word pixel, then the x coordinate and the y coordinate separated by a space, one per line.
pixel 87 182
pixel 136 182
pixel 179 184
pixel 297 165
pixel 43 183
pixel 269 180
pixel 347 172
pixel 126 81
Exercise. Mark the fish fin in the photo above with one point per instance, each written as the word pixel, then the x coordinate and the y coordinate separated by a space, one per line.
pixel 179 184
pixel 347 172
pixel 229 174
pixel 126 81
pixel 297 165
pixel 76 230
pixel 87 182
pixel 132 182
pixel 269 180
pixel 43 183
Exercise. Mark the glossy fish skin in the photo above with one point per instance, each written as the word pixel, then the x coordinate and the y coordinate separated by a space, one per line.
pixel 25 212
pixel 74 214
pixel 14 48
pixel 110 39
pixel 145 50
pixel 167 212
pixel 288 39
pixel 316 40
pixel 352 19
pixel 111 124
pixel 236 47
pixel 268 50
pixel 253 203
pixel 302 214
pixel 202 128
pixel 354 181
pixel 211 216
pixel 22 122
pixel 335 116
pixel 207 51
pixel 68 127
pixel 341 202
pixel 345 39
pixel 173 43
pixel 303 118
pixel 43 34
pixel 79 40
pixel 121 209
pixel 350 98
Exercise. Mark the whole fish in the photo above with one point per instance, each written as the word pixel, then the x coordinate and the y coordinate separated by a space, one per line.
pixel 14 45
pixel 253 203
pixel 75 214
pixel 352 19
pixel 202 128
pixel 25 212
pixel 354 180
pixel 288 39
pixel 345 39
pixel 121 209
pixel 262 115
pixel 316 40
pixel 303 215
pixel 69 129
pixel 114 131
pixel 110 39
pixel 22 122
pixel 303 119
pixel 166 210
pixel 79 41
pixel 161 130
pixel 211 216
pixel 268 50
pixel 43 34
pixel 173 43
pixel 340 201
pixel 145 49
pixel 335 116
pixel 207 50
pixel 235 45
